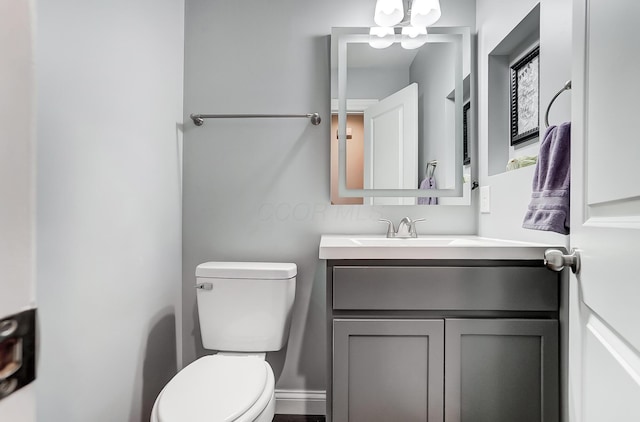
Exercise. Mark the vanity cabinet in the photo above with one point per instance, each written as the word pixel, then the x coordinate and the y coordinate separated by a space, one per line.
pixel 501 370
pixel 450 341
pixel 388 370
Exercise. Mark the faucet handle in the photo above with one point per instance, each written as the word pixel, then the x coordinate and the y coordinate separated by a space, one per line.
pixel 391 230
pixel 412 227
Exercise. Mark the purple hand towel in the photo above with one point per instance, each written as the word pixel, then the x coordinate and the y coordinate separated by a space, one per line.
pixel 549 206
pixel 428 183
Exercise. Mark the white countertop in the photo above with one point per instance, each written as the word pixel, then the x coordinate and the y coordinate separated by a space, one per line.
pixel 355 246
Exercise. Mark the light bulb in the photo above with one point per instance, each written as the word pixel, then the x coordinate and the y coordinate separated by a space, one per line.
pixel 381 36
pixel 425 12
pixel 413 37
pixel 388 12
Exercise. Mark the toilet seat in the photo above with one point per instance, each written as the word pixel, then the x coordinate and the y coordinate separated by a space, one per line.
pixel 217 388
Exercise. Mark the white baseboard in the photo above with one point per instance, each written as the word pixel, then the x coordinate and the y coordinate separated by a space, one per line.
pixel 300 402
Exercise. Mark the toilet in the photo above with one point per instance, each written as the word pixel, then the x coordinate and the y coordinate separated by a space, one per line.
pixel 244 309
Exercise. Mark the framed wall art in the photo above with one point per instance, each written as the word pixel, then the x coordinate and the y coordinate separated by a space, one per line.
pixel 525 105
pixel 466 159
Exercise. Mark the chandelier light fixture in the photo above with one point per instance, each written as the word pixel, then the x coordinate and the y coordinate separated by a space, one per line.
pixel 388 12
pixel 381 36
pixel 425 12
pixel 413 19
pixel 413 37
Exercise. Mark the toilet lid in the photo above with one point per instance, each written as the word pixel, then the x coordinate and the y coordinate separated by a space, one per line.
pixel 213 388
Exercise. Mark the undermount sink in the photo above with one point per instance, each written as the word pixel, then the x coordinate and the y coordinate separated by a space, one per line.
pixel 358 246
pixel 395 242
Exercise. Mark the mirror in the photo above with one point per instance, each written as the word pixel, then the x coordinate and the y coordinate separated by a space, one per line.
pixel 398 119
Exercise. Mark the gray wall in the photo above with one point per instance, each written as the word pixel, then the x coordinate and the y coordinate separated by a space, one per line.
pixel 259 189
pixel 432 69
pixel 109 112
pixel 17 183
pixel 511 191
pixel 371 83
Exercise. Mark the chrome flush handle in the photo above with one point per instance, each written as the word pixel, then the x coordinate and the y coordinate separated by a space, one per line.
pixel 555 260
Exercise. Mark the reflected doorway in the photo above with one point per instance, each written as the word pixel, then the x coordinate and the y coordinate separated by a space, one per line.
pixel 355 157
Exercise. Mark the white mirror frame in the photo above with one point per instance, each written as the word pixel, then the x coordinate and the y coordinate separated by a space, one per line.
pixel 455 35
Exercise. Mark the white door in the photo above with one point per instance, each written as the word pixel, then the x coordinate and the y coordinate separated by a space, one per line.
pixel 604 362
pixel 16 183
pixel 391 145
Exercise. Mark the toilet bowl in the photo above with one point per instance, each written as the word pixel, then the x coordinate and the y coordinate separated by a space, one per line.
pixel 244 310
pixel 219 388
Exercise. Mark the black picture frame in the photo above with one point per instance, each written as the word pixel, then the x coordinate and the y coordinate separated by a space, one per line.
pixel 466 159
pixel 525 103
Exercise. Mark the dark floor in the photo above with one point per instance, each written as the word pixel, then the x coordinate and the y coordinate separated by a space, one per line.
pixel 299 418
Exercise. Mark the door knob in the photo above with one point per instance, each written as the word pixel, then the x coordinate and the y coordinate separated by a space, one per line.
pixel 555 260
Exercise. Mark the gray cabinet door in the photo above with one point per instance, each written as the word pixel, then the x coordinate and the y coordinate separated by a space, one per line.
pixel 388 370
pixel 501 370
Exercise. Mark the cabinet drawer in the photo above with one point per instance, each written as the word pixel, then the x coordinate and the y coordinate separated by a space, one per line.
pixel 445 288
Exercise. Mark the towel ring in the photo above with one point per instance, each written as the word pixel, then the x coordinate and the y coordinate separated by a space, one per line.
pixel 433 164
pixel 566 87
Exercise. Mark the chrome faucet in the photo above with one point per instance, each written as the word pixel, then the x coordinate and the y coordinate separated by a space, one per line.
pixel 406 228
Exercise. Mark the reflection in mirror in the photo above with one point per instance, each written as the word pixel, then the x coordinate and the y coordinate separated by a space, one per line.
pixel 400 109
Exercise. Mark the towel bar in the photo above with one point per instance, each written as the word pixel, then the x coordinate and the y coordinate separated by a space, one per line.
pixel 566 87
pixel 198 119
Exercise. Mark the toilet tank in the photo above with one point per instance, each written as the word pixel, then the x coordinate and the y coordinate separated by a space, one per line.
pixel 245 306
